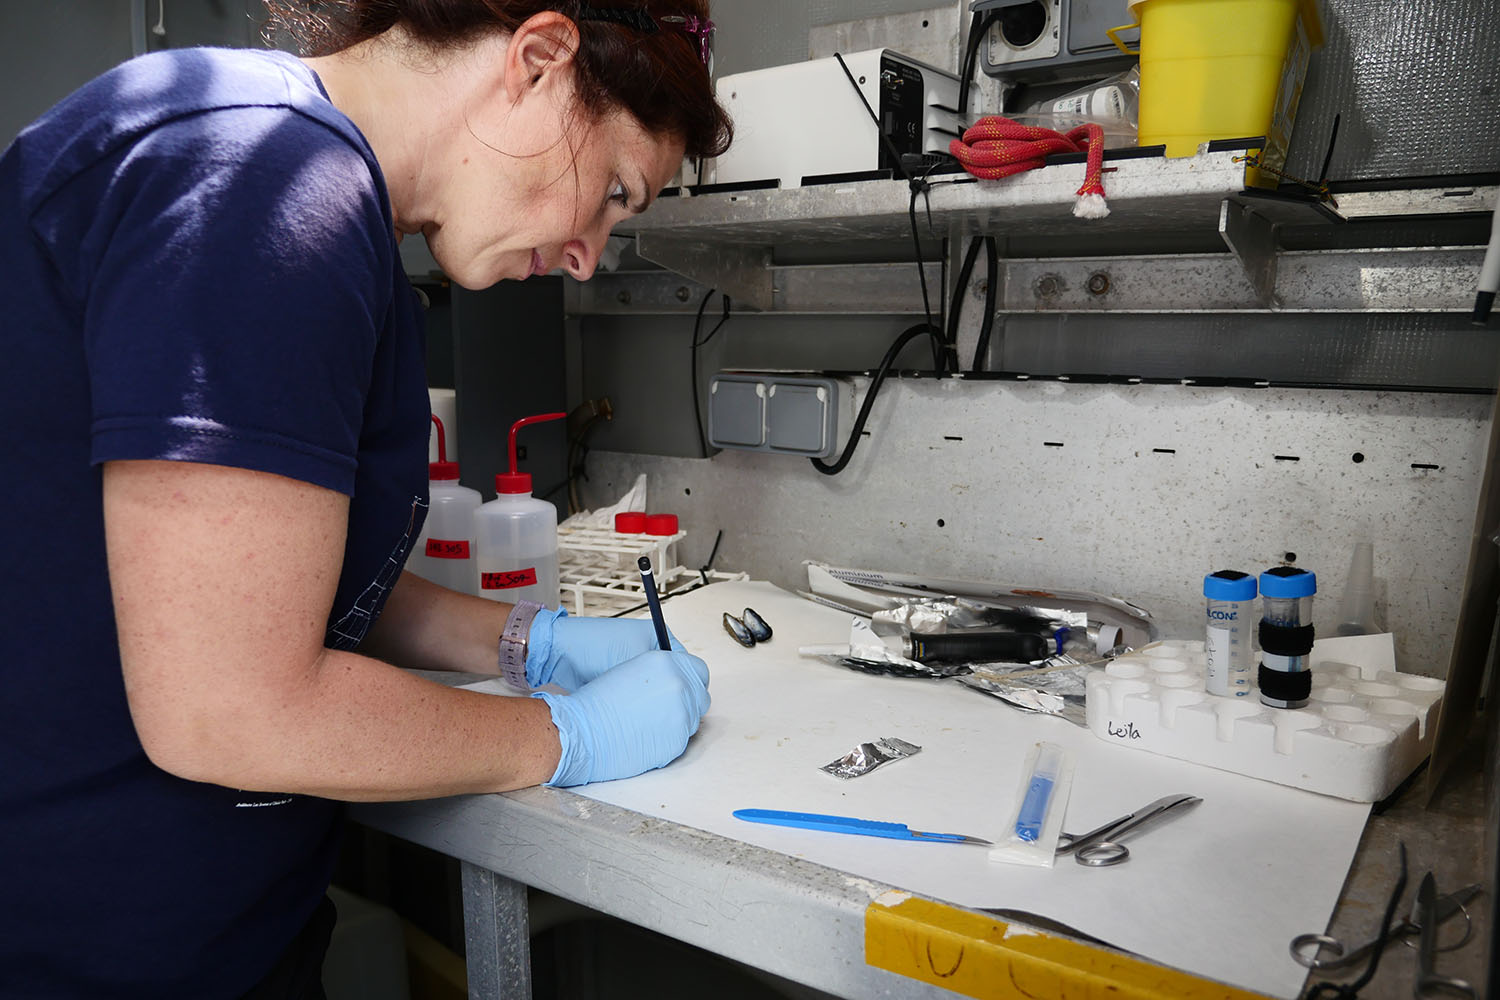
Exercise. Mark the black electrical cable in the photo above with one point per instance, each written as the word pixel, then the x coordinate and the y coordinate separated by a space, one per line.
pixel 965 270
pixel 991 289
pixel 712 555
pixel 979 24
pixel 906 337
pixel 918 186
pixel 938 346
pixel 1350 991
pixel 697 325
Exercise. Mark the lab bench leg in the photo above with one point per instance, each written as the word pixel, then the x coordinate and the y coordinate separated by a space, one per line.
pixel 496 936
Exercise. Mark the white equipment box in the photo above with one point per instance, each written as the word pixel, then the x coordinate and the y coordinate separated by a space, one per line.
pixel 805 120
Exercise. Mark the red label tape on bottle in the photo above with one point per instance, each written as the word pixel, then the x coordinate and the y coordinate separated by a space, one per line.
pixel 507 580
pixel 443 548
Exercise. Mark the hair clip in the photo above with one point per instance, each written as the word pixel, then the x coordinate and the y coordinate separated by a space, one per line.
pixel 691 25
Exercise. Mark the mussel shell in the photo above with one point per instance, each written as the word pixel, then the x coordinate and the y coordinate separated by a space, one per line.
pixel 757 625
pixel 738 630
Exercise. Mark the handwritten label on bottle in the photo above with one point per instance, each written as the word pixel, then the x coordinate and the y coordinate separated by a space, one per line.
pixel 1124 732
pixel 445 548
pixel 507 580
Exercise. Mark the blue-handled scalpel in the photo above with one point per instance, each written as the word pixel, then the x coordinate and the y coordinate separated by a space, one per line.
pixel 847 824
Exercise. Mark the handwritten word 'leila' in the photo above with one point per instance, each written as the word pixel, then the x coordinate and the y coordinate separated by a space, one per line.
pixel 1125 732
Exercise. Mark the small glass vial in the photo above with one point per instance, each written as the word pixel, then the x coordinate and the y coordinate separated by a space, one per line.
pixel 1286 636
pixel 1228 647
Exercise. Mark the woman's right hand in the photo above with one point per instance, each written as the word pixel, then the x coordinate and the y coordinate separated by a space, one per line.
pixel 631 719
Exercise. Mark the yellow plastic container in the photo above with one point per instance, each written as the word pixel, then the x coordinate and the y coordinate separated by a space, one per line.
pixel 1222 69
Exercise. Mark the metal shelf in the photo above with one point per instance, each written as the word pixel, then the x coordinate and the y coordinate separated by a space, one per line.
pixel 738 241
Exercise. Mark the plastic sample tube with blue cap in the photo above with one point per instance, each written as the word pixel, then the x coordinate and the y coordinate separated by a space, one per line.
pixel 1032 833
pixel 1228 650
pixel 1286 636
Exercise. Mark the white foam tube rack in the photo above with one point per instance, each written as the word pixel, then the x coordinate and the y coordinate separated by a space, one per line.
pixel 1362 732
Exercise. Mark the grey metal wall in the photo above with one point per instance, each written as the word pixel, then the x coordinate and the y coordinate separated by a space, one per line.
pixel 48 50
pixel 1417 85
pixel 754 34
pixel 1137 491
pixel 1154 486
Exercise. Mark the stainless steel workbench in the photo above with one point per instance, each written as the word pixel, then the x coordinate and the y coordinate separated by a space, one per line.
pixel 808 923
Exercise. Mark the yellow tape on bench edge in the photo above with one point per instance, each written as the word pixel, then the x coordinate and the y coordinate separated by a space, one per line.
pixel 983 957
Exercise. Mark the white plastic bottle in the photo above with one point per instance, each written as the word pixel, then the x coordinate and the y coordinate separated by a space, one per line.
pixel 516 536
pixel 444 552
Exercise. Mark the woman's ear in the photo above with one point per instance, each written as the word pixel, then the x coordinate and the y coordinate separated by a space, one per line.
pixel 540 54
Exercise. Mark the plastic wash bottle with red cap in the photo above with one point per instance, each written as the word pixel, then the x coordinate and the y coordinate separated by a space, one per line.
pixel 444 552
pixel 516 536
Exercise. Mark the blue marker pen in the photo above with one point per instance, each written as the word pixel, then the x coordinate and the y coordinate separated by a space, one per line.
pixel 1033 814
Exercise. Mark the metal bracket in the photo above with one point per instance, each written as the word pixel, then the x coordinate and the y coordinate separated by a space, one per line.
pixel 744 273
pixel 1252 239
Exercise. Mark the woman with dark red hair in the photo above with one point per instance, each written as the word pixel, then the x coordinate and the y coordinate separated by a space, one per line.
pixel 207 600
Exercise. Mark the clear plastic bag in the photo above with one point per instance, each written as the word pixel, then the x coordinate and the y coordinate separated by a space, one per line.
pixel 1112 103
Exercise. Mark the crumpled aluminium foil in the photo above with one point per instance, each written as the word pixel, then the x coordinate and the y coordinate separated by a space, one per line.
pixel 866 757
pixel 1057 689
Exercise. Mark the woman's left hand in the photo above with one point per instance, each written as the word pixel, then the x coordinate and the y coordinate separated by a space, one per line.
pixel 570 652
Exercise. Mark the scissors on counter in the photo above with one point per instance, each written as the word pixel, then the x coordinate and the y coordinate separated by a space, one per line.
pixel 1428 911
pixel 1322 953
pixel 1100 847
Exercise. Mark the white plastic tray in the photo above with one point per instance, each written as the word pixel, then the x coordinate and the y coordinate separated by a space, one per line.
pixel 1363 731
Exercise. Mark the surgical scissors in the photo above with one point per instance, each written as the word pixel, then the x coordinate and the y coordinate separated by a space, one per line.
pixel 1307 948
pixel 1099 847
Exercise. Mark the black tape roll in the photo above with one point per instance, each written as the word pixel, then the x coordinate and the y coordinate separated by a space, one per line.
pixel 1285 686
pixel 1281 640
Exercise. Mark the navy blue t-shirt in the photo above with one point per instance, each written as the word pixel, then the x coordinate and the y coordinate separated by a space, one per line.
pixel 198 264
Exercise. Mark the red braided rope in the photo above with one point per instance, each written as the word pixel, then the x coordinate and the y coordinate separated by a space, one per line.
pixel 997 147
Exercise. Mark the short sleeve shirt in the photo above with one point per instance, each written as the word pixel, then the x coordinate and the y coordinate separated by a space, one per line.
pixel 200 265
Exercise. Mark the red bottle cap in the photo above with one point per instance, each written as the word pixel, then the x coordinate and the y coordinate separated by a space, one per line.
pixel 630 522
pixel 661 524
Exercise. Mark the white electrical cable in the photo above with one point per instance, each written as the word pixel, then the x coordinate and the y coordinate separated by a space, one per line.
pixel 1489 271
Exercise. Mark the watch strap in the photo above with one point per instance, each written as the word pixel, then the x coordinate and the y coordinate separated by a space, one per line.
pixel 513 643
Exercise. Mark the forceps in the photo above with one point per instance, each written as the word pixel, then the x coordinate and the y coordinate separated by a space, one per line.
pixel 1430 981
pixel 1307 948
pixel 1098 849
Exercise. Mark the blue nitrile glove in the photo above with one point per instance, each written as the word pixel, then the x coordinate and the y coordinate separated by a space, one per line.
pixel 570 652
pixel 631 719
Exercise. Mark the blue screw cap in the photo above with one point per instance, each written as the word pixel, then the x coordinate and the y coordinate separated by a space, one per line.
pixel 1288 581
pixel 1229 585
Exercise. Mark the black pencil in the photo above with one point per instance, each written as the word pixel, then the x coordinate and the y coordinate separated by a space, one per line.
pixel 651 600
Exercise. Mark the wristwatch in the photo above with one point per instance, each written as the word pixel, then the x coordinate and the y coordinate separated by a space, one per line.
pixel 513 646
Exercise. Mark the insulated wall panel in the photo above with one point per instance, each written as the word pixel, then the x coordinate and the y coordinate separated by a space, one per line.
pixel 1136 491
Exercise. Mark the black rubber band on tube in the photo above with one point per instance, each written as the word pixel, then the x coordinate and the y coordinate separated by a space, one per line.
pixel 1284 686
pixel 1280 640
